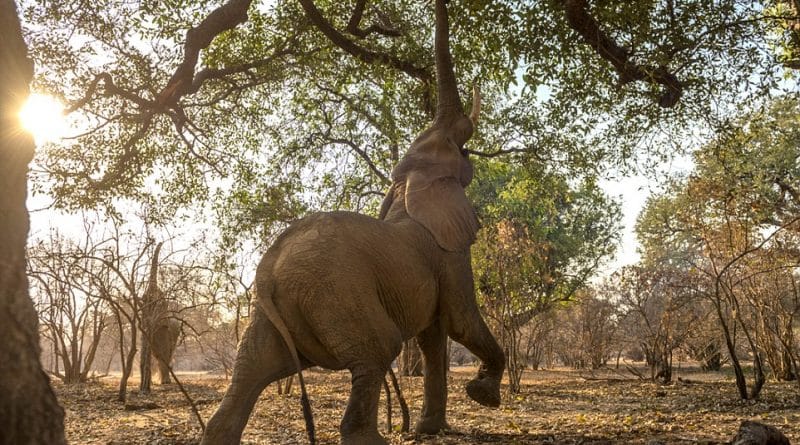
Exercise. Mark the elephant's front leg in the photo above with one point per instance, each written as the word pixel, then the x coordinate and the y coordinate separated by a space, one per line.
pixel 466 326
pixel 433 343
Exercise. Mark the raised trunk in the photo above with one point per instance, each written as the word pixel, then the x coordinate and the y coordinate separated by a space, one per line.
pixel 152 282
pixel 29 412
pixel 449 103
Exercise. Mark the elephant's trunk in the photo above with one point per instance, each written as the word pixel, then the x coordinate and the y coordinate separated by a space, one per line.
pixel 476 106
pixel 449 103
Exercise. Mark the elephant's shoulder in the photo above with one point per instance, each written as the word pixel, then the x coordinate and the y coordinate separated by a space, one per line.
pixel 321 228
pixel 339 220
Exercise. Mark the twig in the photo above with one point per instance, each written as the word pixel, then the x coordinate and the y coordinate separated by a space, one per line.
pixel 189 398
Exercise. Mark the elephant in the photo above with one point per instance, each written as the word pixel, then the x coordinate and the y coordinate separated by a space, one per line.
pixel 343 290
pixel 160 331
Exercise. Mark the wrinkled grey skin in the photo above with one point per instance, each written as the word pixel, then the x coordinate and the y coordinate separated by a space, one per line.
pixel 351 288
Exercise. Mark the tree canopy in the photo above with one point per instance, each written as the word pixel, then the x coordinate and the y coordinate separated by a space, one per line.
pixel 266 109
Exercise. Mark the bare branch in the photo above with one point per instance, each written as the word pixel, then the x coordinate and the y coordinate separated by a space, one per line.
pixel 363 154
pixel 494 154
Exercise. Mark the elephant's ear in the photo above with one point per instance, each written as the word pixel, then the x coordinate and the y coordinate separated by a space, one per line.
pixel 441 206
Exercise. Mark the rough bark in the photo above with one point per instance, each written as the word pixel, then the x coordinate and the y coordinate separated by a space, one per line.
pixel 224 18
pixel 145 365
pixel 29 412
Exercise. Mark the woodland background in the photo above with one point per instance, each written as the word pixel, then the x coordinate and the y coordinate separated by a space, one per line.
pixel 204 128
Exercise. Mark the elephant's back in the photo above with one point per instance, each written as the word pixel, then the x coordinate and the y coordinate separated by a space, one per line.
pixel 342 261
pixel 323 243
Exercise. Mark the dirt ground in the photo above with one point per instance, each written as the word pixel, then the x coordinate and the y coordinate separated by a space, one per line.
pixel 555 407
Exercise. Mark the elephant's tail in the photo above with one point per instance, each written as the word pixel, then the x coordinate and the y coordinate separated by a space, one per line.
pixel 268 307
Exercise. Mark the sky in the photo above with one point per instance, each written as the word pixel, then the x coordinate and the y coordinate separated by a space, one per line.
pixel 632 192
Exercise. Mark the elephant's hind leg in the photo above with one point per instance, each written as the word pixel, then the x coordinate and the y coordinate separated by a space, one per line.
pixel 355 329
pixel 262 358
pixel 360 423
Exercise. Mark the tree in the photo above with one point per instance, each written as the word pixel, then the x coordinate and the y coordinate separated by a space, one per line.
pixel 29 412
pixel 272 98
pixel 739 203
pixel 659 310
pixel 587 327
pixel 770 294
pixel 69 305
pixel 542 240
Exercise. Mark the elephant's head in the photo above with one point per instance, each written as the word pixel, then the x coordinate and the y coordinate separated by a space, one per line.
pixel 432 175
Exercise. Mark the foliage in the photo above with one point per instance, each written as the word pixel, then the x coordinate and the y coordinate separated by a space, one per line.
pixel 551 235
pixel 740 205
pixel 543 238
pixel 279 120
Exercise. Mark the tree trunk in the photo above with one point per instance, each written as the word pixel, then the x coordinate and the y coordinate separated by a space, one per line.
pixel 741 382
pixel 145 365
pixel 758 376
pixel 29 412
pixel 126 361
pixel 787 342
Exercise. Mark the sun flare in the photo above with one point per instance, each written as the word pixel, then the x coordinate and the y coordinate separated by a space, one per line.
pixel 43 117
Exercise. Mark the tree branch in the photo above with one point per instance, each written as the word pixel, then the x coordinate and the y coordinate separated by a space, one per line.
pixel 359 52
pixel 355 21
pixel 580 20
pixel 496 153
pixel 224 18
pixel 363 155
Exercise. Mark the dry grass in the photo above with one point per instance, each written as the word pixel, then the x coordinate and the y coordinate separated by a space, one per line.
pixel 555 407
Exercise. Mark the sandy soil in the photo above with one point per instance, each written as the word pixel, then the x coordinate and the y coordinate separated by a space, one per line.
pixel 555 407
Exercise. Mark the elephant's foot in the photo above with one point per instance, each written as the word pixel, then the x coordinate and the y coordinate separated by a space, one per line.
pixel 431 425
pixel 372 438
pixel 485 391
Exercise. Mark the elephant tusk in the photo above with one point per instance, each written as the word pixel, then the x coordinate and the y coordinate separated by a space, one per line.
pixel 476 105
